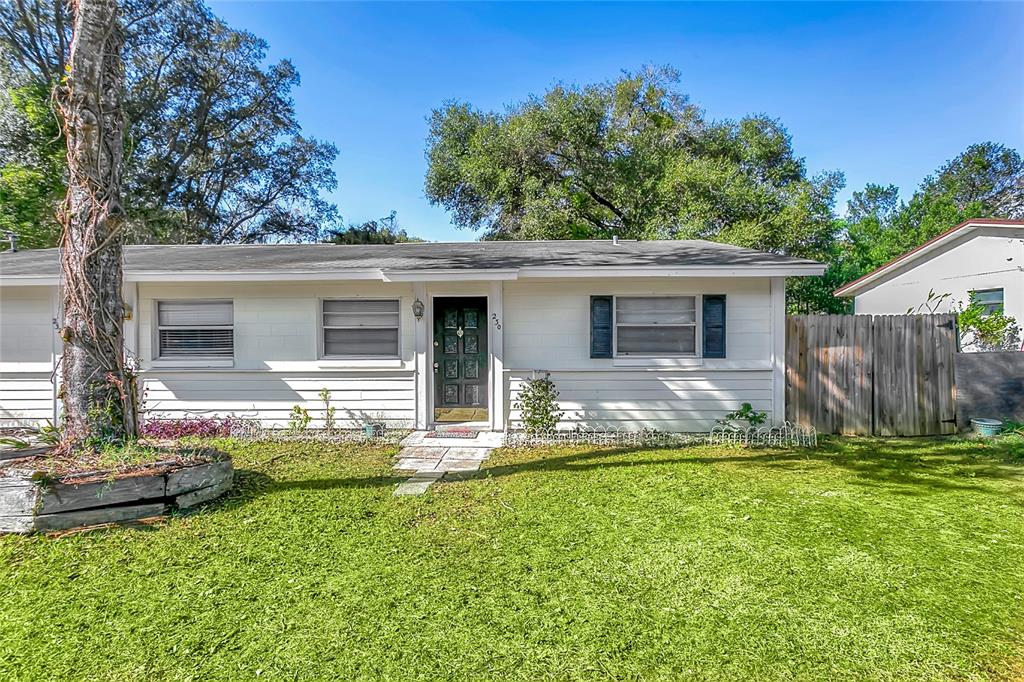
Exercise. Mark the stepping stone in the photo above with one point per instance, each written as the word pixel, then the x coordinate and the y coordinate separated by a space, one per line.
pixel 479 454
pixel 431 463
pixel 458 464
pixel 418 484
pixel 423 452
pixel 416 464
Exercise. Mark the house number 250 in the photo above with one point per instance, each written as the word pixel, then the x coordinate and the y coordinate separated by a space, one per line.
pixel 497 322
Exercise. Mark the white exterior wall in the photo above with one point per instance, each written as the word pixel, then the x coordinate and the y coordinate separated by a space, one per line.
pixel 27 343
pixel 547 328
pixel 276 363
pixel 988 258
pixel 532 325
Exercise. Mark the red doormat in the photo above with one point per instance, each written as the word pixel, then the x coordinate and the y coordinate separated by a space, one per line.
pixel 453 434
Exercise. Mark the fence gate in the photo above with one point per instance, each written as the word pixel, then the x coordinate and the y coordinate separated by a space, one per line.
pixel 885 375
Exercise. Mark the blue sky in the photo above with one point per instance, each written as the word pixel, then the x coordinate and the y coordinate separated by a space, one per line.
pixel 883 92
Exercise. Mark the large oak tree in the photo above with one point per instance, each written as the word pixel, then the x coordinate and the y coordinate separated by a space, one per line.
pixel 99 400
pixel 214 150
pixel 632 158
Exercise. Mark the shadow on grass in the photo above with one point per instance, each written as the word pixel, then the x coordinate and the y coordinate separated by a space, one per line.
pixel 912 466
pixel 904 466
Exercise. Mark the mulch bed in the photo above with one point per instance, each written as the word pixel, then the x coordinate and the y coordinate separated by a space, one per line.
pixel 86 468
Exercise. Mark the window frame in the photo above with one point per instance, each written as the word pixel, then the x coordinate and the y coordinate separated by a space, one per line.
pixel 322 340
pixel 972 295
pixel 158 354
pixel 696 324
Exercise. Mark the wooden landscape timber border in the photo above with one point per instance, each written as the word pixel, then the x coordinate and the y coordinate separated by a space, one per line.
pixel 31 503
pixel 882 375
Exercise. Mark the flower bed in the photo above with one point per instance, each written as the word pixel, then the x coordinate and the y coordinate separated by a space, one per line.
pixel 51 493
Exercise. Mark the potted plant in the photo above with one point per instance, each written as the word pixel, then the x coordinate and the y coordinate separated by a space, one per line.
pixel 374 426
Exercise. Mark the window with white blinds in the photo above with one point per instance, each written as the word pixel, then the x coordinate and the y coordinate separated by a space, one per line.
pixel 355 328
pixel 195 329
pixel 656 325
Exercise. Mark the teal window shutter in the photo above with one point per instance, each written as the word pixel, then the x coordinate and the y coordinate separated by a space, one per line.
pixel 600 326
pixel 714 325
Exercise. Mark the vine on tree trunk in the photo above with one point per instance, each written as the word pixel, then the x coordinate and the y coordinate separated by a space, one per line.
pixel 98 389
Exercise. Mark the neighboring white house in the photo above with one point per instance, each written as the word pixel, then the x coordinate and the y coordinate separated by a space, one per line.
pixel 979 260
pixel 659 334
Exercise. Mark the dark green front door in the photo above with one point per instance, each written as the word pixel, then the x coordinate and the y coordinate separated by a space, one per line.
pixel 460 359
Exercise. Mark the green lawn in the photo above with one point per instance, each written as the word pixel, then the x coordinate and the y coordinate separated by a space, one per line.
pixel 862 559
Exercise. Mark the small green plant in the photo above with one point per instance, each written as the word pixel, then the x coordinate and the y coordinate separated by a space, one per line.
pixel 299 419
pixel 538 403
pixel 987 331
pixel 48 433
pixel 980 328
pixel 329 410
pixel 932 304
pixel 746 413
pixel 1013 427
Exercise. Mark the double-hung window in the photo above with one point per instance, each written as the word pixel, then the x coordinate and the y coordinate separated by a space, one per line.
pixel 655 325
pixel 991 300
pixel 360 328
pixel 195 329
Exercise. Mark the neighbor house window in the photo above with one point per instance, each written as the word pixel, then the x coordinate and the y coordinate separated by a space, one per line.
pixel 656 325
pixel 195 329
pixel 356 328
pixel 991 300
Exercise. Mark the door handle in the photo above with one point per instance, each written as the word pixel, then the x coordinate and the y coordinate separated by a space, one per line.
pixel 435 366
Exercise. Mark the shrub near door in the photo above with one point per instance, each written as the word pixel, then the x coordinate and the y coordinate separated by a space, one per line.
pixel 538 403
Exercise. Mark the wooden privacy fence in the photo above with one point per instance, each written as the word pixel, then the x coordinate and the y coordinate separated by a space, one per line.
pixel 884 375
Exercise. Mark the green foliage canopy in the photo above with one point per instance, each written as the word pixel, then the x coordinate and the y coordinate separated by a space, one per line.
pixel 631 158
pixel 378 231
pixel 32 185
pixel 214 151
pixel 986 180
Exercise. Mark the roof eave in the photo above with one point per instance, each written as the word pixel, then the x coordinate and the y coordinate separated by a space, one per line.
pixel 869 280
pixel 474 274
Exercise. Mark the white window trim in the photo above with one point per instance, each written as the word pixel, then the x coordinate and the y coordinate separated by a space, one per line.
pixel 346 360
pixel 667 359
pixel 160 360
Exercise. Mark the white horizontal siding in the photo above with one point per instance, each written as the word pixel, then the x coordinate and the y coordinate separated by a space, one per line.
pixel 26 399
pixel 269 397
pixel 275 323
pixel 26 355
pixel 666 401
pixel 545 327
pixel 547 323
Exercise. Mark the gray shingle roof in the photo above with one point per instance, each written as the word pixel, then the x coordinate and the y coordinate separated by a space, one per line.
pixel 490 255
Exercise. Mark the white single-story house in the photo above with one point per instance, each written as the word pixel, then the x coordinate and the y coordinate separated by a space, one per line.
pixel 978 260
pixel 667 335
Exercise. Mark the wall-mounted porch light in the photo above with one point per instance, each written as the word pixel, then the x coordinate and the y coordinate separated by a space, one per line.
pixel 417 309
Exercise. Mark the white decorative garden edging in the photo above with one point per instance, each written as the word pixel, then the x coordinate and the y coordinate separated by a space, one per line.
pixel 785 435
pixel 255 432
pixel 29 502
pixel 599 435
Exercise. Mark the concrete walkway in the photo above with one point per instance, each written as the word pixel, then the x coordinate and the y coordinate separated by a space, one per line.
pixel 431 458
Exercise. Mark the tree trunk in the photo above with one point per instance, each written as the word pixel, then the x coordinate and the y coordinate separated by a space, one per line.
pixel 98 392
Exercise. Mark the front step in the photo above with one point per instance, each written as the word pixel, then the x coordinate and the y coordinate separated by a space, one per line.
pixel 483 439
pixel 431 458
